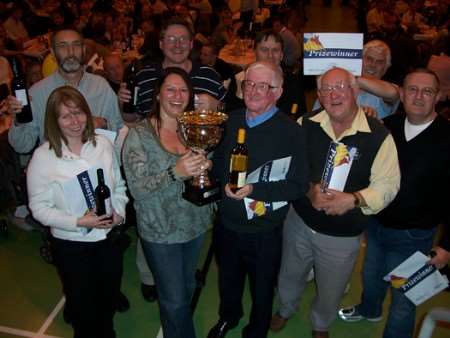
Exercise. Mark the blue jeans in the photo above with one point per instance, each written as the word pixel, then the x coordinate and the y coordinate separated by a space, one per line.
pixel 173 267
pixel 386 249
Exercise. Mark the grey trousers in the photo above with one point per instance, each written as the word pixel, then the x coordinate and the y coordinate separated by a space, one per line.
pixel 333 259
pixel 141 263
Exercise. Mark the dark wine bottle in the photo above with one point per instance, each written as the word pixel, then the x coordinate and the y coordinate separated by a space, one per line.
pixel 238 163
pixel 102 196
pixel 19 90
pixel 130 107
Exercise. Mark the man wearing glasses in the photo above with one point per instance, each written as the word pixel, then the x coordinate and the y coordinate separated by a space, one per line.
pixel 69 50
pixel 323 228
pixel 409 223
pixel 246 245
pixel 176 43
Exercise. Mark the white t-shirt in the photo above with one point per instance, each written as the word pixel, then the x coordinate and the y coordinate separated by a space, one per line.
pixel 412 130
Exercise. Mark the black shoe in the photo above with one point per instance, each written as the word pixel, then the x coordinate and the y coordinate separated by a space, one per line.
pixel 220 329
pixel 149 292
pixel 123 304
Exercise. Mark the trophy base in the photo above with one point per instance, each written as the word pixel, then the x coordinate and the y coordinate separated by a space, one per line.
pixel 202 196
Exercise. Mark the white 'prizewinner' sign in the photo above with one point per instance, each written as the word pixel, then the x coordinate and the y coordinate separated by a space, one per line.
pixel 323 51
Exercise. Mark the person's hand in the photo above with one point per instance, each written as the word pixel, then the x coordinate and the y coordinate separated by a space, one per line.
pixel 124 94
pixel 338 203
pixel 116 218
pixel 317 197
pixel 191 164
pixel 441 259
pixel 100 122
pixel 241 193
pixel 369 111
pixel 96 63
pixel 3 107
pixel 14 106
pixel 91 220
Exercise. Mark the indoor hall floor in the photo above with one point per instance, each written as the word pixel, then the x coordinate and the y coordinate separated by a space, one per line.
pixel 31 300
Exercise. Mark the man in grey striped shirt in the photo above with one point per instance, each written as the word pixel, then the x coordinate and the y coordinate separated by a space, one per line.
pixel 176 43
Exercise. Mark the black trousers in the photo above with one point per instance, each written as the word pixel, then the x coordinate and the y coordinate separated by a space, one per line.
pixel 257 256
pixel 90 273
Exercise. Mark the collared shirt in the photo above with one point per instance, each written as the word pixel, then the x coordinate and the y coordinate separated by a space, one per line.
pixel 100 97
pixel 382 107
pixel 253 122
pixel 385 171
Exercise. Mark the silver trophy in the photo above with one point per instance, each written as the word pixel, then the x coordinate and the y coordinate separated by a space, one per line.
pixel 201 130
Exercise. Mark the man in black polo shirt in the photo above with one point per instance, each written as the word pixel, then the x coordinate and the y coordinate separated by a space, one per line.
pixel 409 223
pixel 323 228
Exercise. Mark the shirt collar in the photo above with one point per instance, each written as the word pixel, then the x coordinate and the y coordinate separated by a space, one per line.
pixel 62 81
pixel 260 118
pixel 359 124
pixel 67 154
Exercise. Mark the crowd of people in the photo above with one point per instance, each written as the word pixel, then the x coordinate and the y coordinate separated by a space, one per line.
pixel 77 56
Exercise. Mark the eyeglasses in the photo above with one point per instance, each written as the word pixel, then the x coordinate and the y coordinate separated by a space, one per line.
pixel 260 87
pixel 172 40
pixel 427 92
pixel 340 89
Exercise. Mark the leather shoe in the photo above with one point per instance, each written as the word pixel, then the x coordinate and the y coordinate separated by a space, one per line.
pixel 320 334
pixel 149 292
pixel 220 329
pixel 123 304
pixel 277 323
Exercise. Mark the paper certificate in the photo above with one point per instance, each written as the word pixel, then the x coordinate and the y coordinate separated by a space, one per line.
pixel 338 163
pixel 418 280
pixel 271 171
pixel 323 51
pixel 80 192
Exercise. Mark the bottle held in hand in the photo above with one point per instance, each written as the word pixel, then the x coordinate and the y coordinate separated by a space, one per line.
pixel 238 163
pixel 130 107
pixel 19 90
pixel 102 196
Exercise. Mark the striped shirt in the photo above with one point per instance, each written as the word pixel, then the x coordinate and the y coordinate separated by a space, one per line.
pixel 204 80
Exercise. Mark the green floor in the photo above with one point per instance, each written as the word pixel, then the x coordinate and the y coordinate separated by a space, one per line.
pixel 30 291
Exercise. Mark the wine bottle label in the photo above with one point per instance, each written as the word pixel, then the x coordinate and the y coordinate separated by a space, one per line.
pixel 241 179
pixel 135 97
pixel 108 207
pixel 21 95
pixel 238 163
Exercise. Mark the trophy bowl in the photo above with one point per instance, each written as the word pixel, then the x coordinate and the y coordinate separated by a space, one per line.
pixel 201 130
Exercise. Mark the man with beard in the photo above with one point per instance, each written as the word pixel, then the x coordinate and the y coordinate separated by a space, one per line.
pixel 68 49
